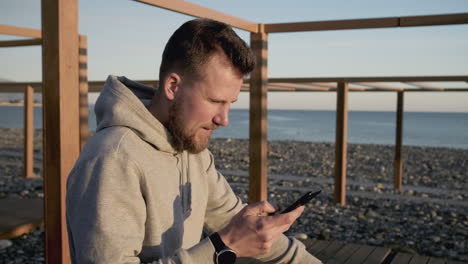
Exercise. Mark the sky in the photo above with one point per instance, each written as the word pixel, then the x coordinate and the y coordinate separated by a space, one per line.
pixel 127 38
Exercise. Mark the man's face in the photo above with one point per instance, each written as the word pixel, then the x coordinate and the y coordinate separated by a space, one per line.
pixel 202 105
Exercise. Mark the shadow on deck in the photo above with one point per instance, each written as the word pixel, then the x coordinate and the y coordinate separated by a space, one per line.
pixel 332 252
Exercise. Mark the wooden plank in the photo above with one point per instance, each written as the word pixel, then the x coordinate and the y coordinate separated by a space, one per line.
pixel 398 162
pixel 341 143
pixel 195 10
pixel 402 258
pixel 343 254
pixel 19 216
pixel 377 256
pixel 317 247
pixel 61 117
pixel 20 43
pixel 367 23
pixel 83 98
pixel 416 259
pixel 360 255
pixel 28 132
pixel 309 242
pixel 258 119
pixel 20 31
pixel 330 251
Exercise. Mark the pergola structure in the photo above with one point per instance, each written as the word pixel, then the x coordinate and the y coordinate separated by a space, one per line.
pixel 66 87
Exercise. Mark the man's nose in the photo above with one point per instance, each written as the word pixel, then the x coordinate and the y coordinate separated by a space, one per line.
pixel 222 118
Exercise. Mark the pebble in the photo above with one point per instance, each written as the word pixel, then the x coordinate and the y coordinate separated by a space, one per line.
pixel 417 228
pixel 301 236
pixel 5 243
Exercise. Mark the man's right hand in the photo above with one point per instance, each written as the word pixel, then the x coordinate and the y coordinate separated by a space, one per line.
pixel 250 233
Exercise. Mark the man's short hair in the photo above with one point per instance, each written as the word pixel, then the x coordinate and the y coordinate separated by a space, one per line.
pixel 195 41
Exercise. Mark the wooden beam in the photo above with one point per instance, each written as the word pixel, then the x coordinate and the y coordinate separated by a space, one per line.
pixel 425 86
pixel 379 86
pixel 341 143
pixel 28 131
pixel 60 117
pixel 96 86
pixel 83 97
pixel 258 119
pixel 398 163
pixel 453 78
pixel 195 10
pixel 332 25
pixel 301 86
pixel 21 42
pixel 20 31
pixel 18 87
pixel 245 87
pixel 279 88
pixel 434 20
pixel 367 23
pixel 444 90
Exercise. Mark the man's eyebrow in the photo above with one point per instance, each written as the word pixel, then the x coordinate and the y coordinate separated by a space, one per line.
pixel 224 101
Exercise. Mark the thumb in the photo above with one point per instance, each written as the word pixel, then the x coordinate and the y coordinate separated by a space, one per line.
pixel 260 208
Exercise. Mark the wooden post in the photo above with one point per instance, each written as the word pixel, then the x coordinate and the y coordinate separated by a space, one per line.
pixel 341 143
pixel 28 131
pixel 83 99
pixel 258 119
pixel 398 164
pixel 60 117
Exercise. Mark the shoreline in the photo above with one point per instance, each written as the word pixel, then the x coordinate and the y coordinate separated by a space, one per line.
pixel 20 103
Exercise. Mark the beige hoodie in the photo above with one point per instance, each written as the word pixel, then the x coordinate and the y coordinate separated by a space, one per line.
pixel 132 198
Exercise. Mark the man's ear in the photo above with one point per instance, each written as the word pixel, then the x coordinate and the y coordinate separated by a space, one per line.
pixel 171 86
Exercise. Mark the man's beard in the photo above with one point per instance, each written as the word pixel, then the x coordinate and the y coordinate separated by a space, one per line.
pixel 182 140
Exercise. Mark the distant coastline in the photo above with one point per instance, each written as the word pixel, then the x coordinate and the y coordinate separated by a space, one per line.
pixel 17 103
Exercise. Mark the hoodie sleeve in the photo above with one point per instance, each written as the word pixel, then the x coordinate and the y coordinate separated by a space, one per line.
pixel 223 204
pixel 106 214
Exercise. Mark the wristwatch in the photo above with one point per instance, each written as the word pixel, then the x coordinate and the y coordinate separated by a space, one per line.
pixel 223 254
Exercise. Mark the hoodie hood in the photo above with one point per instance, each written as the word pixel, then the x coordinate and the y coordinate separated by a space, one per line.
pixel 123 102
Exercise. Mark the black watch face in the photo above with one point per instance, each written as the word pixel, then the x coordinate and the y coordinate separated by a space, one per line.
pixel 227 257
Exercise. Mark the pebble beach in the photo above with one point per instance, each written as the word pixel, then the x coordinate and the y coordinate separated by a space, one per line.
pixel 428 216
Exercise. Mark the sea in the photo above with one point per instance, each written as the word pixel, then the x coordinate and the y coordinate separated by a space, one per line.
pixel 365 127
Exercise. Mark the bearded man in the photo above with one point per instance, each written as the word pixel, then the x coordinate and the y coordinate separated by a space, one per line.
pixel 145 186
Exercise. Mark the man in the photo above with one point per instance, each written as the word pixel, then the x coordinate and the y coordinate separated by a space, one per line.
pixel 145 185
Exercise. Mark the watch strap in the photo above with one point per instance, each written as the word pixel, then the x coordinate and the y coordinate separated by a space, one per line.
pixel 217 242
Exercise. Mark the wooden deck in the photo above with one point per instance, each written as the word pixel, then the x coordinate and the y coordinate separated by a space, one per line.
pixel 19 216
pixel 332 252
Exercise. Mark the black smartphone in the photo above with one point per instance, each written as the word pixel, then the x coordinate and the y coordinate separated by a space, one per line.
pixel 301 201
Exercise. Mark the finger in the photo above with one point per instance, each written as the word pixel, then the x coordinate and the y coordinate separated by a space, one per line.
pixel 260 208
pixel 287 218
